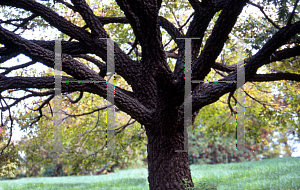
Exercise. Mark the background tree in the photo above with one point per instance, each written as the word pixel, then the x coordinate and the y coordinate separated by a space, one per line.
pixel 157 96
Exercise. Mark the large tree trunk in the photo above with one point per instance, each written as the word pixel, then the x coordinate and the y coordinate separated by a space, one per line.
pixel 167 168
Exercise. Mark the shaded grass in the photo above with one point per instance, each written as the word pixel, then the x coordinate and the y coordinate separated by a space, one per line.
pixel 277 173
pixel 272 174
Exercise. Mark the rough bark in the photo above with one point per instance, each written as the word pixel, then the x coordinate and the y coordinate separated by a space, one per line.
pixel 167 168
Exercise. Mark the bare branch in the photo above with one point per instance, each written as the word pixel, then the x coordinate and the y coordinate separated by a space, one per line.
pixel 23 24
pixel 293 13
pixel 176 19
pixel 47 101
pixel 180 28
pixel 163 22
pixel 168 53
pixel 11 125
pixel 195 4
pixel 99 64
pixel 214 44
pixel 275 77
pixel 77 99
pixel 107 20
pixel 256 100
pixel 9 69
pixel 171 29
pixel 87 113
pixel 90 18
pixel 50 16
pixel 120 129
pixel 39 83
pixel 216 40
pixel 222 67
pixel 220 73
pixel 133 46
pixel 67 4
pixel 263 12
pixel 7 54
pixel 228 101
pixel 266 54
pixel 33 94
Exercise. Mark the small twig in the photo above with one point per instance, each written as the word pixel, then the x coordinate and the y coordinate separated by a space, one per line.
pixel 223 75
pixel 237 101
pixel 263 12
pixel 168 43
pixel 176 19
pixel 228 101
pixel 172 50
pixel 25 21
pixel 11 125
pixel 120 129
pixel 77 99
pixel 67 4
pixel 180 28
pixel 27 96
pixel 293 13
pixel 258 100
pixel 260 89
pixel 47 101
pixel 23 24
pixel 71 115
pixel 133 46
pixel 9 69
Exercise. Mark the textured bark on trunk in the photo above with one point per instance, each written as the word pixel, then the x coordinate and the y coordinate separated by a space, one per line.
pixel 167 168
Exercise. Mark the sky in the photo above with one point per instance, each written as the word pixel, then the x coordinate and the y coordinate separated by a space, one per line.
pixel 51 34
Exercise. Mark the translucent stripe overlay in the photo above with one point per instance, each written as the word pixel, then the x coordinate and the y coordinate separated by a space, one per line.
pixel 57 98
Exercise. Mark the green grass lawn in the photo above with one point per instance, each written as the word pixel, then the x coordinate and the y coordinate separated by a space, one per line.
pixel 273 174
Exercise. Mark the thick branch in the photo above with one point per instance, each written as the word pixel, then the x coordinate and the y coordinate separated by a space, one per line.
pixel 277 56
pixel 107 20
pixel 195 4
pixel 275 77
pixel 214 45
pixel 222 67
pixel 163 22
pixel 99 64
pixel 89 17
pixel 91 44
pixel 50 16
pixel 216 40
pixel 171 29
pixel 265 54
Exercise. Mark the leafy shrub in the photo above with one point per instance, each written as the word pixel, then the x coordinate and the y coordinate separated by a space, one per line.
pixel 203 150
pixel 9 158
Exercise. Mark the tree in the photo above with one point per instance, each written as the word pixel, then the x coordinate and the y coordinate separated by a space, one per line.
pixel 158 88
